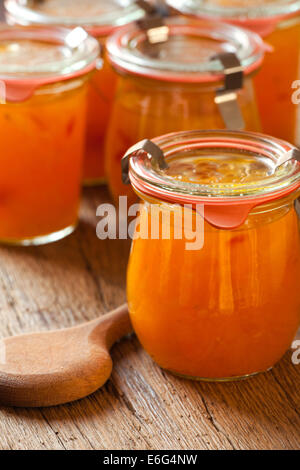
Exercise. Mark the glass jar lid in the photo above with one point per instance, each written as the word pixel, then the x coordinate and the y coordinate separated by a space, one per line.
pixel 189 53
pixel 237 9
pixel 99 17
pixel 34 56
pixel 230 173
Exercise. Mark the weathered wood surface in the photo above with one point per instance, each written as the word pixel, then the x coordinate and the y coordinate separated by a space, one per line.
pixel 141 407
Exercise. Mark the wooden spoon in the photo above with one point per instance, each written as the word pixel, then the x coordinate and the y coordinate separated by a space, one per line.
pixel 56 367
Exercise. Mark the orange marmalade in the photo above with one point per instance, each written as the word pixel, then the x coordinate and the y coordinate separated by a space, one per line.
pixel 230 308
pixel 278 23
pixel 173 85
pixel 99 18
pixel 43 81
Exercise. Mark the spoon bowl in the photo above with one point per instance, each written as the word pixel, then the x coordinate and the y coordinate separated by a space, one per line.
pixel 56 367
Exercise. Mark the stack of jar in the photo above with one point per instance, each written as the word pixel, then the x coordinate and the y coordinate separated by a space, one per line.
pixel 83 82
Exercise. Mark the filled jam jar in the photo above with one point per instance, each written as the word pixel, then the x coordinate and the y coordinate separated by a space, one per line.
pixel 193 75
pixel 278 23
pixel 213 275
pixel 44 75
pixel 99 18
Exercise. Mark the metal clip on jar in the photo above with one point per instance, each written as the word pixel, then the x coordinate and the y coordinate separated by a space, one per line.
pixel 278 23
pixel 153 23
pixel 198 76
pixel 99 18
pixel 44 74
pixel 222 300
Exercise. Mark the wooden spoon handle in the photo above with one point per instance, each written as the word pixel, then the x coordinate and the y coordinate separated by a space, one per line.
pixel 115 325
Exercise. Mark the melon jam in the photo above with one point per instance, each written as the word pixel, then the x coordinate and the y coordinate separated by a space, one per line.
pixel 43 84
pixel 230 308
pixel 99 18
pixel 278 23
pixel 173 85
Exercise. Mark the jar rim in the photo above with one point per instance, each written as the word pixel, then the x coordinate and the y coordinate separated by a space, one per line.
pixel 99 24
pixel 259 11
pixel 77 51
pixel 82 50
pixel 129 50
pixel 146 176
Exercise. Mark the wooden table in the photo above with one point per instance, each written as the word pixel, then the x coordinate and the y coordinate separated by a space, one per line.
pixel 141 407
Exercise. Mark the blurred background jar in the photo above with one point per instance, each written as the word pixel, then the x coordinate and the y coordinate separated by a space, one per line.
pixel 207 294
pixel 278 23
pixel 44 74
pixel 177 84
pixel 99 18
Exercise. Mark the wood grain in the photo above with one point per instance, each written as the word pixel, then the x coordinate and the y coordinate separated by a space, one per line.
pixel 141 407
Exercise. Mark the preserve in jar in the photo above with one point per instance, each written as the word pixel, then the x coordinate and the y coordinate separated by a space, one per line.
pixel 198 76
pixel 278 23
pixel 99 18
pixel 44 75
pixel 221 301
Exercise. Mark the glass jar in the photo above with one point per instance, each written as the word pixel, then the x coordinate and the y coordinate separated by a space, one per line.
pixel 174 85
pixel 99 18
pixel 278 23
pixel 43 83
pixel 229 306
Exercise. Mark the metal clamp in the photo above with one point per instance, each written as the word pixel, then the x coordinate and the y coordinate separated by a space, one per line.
pixel 154 25
pixel 147 147
pixel 297 207
pixel 226 97
pixel 293 154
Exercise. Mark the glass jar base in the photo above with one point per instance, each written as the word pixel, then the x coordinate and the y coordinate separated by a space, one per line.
pixel 42 240
pixel 218 379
